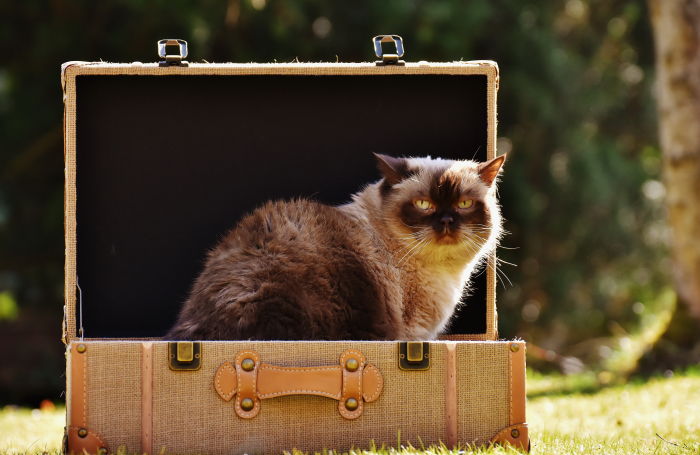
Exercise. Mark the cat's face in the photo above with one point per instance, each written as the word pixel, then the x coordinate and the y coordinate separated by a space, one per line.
pixel 435 202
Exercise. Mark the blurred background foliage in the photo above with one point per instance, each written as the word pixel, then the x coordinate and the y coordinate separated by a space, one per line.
pixel 582 193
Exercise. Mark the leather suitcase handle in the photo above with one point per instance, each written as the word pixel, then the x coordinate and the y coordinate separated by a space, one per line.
pixel 352 382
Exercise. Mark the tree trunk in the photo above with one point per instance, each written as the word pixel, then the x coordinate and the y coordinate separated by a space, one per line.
pixel 676 25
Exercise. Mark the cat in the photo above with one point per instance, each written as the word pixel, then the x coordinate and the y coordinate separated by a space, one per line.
pixel 392 264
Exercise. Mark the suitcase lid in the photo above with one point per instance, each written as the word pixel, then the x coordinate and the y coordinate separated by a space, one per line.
pixel 161 161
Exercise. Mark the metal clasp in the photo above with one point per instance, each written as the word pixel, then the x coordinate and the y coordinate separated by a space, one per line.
pixel 172 59
pixel 414 355
pixel 185 355
pixel 388 59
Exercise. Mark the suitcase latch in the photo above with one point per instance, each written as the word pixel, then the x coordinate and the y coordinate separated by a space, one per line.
pixel 414 355
pixel 176 59
pixel 388 58
pixel 185 355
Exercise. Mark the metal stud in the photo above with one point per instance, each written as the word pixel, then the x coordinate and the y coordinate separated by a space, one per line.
pixel 515 433
pixel 248 364
pixel 514 347
pixel 351 404
pixel 82 432
pixel 352 365
pixel 247 404
pixel 81 348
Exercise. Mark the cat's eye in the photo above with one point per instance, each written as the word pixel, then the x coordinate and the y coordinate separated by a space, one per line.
pixel 465 203
pixel 422 204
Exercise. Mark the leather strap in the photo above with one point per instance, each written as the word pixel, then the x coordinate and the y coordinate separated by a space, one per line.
pixel 517 382
pixel 451 394
pixel 80 439
pixel 280 381
pixel 357 381
pixel 147 397
pixel 78 385
pixel 352 385
pixel 516 434
pixel 247 384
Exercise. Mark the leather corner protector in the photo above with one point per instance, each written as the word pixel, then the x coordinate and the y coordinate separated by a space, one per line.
pixel 225 381
pixel 515 435
pixel 372 383
pixel 91 443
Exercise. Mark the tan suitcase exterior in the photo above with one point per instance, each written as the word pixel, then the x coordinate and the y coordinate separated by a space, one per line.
pixel 147 395
pixel 124 394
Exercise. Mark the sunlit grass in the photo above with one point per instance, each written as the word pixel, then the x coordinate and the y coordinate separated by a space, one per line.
pixel 660 416
pixel 567 415
pixel 31 430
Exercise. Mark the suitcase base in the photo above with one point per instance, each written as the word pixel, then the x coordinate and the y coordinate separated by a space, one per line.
pixel 128 394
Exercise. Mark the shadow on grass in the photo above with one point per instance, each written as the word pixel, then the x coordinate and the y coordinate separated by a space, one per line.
pixel 591 389
pixel 590 383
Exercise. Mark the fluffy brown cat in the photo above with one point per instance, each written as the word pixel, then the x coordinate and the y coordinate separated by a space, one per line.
pixel 391 264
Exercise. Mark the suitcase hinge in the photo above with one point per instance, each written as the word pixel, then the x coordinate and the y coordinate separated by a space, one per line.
pixel 391 58
pixel 414 355
pixel 185 355
pixel 176 59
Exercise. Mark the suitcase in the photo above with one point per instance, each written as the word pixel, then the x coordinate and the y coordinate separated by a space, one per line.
pixel 162 158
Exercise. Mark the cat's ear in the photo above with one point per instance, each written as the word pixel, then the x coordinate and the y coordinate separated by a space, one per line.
pixel 393 169
pixel 488 171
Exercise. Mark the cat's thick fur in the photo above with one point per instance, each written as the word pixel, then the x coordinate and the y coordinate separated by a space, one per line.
pixel 377 268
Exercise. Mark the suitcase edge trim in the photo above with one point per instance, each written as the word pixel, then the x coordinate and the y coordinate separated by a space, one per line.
pixel 70 70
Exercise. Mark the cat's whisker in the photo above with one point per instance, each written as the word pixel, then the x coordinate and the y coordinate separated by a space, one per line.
pixel 474 243
pixel 418 234
pixel 410 244
pixel 477 243
pixel 501 261
pixel 472 247
pixel 500 274
pixel 425 245
pixel 408 255
pixel 504 277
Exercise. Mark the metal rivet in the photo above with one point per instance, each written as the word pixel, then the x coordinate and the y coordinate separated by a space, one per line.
pixel 81 348
pixel 514 347
pixel 515 433
pixel 247 364
pixel 352 365
pixel 351 404
pixel 247 404
pixel 82 432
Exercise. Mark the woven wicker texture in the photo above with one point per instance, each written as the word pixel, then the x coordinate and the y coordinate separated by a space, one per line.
pixel 73 69
pixel 114 393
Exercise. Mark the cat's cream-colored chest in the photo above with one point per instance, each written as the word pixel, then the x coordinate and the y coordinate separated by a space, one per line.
pixel 431 297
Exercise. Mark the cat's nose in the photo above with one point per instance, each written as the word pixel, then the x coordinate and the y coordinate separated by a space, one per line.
pixel 447 220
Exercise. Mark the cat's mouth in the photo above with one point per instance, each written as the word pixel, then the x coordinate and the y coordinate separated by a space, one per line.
pixel 446 237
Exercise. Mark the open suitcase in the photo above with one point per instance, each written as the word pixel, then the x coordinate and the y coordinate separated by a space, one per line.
pixel 162 158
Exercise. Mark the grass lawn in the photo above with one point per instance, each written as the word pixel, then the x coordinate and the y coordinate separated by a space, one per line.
pixel 566 415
